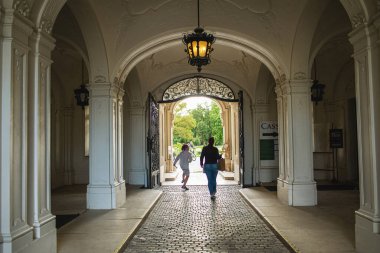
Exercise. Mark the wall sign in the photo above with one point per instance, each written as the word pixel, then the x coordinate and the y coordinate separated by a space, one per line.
pixel 269 143
pixel 336 138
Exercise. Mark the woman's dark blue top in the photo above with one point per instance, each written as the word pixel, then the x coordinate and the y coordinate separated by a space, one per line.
pixel 211 154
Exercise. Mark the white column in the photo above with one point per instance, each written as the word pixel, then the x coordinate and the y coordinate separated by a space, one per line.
pixel 39 188
pixel 297 186
pixel 104 190
pixel 120 127
pixel 15 231
pixel 367 64
pixel 281 128
pixel 68 126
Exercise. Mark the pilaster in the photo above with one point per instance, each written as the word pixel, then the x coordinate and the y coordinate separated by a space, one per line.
pixel 15 232
pixel 105 191
pixel 295 185
pixel 39 185
pixel 68 126
pixel 367 63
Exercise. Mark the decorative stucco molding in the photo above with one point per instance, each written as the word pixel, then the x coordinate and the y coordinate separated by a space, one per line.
pixel 22 7
pixel 299 76
pixel 46 26
pixel 100 79
pixel 254 6
pixel 281 80
pixel 358 20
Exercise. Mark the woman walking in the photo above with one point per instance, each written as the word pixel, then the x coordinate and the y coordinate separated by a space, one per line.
pixel 210 166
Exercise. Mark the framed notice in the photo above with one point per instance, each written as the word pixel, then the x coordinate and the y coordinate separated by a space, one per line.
pixel 336 138
pixel 267 150
pixel 268 144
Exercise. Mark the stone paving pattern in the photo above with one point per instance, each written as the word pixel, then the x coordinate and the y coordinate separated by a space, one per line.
pixel 191 222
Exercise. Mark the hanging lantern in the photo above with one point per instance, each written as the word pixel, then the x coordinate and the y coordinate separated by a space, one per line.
pixel 317 91
pixel 198 46
pixel 82 94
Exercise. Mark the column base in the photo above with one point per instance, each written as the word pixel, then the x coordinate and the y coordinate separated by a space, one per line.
pixel 367 233
pixel 106 196
pixel 297 193
pixel 24 243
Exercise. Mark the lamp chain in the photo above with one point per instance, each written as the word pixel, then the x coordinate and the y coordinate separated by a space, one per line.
pixel 198 13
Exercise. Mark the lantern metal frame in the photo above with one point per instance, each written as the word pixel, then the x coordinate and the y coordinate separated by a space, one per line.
pixel 198 36
pixel 317 89
pixel 82 95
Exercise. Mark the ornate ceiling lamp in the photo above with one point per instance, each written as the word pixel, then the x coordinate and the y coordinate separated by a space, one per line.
pixel 198 46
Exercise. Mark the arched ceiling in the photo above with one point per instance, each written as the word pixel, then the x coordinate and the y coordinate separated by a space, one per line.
pixel 226 62
pixel 127 26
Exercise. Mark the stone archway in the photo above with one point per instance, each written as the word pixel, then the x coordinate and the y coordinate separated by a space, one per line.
pixel 226 100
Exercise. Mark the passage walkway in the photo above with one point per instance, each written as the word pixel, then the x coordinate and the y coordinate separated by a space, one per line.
pixel 191 222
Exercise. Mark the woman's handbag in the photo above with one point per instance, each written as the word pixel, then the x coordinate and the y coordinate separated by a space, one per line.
pixel 221 164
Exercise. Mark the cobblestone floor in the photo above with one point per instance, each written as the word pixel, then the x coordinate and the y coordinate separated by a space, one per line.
pixel 191 222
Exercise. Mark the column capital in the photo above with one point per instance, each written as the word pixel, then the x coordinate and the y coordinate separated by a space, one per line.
pixel 364 37
pixel 104 90
pixel 294 86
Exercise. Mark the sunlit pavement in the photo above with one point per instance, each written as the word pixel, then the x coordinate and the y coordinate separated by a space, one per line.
pixel 197 177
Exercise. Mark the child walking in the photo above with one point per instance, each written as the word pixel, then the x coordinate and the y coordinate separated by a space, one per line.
pixel 184 159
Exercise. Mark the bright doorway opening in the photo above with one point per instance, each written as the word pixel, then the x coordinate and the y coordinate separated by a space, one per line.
pixel 192 121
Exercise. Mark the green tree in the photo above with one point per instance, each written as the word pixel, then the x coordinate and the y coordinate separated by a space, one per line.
pixel 216 123
pixel 183 126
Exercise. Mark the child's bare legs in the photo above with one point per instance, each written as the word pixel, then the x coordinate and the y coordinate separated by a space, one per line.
pixel 185 177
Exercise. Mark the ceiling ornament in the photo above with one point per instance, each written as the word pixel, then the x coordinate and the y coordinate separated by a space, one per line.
pixel 198 86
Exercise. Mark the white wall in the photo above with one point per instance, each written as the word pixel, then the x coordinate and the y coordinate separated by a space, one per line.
pixel 134 146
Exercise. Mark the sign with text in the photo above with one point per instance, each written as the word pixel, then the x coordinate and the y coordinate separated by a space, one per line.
pixel 269 143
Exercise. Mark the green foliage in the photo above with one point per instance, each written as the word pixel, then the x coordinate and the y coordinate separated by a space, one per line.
pixel 208 124
pixel 197 125
pixel 183 126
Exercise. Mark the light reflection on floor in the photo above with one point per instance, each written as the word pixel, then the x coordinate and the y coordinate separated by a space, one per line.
pixel 197 177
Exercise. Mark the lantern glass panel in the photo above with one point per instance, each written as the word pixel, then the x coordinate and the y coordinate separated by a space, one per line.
pixel 190 50
pixel 202 48
pixel 195 48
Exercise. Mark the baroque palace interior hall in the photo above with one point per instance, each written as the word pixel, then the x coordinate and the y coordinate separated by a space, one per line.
pixel 127 60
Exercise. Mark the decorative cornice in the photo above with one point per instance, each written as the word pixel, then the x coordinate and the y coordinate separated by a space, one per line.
pixel 22 7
